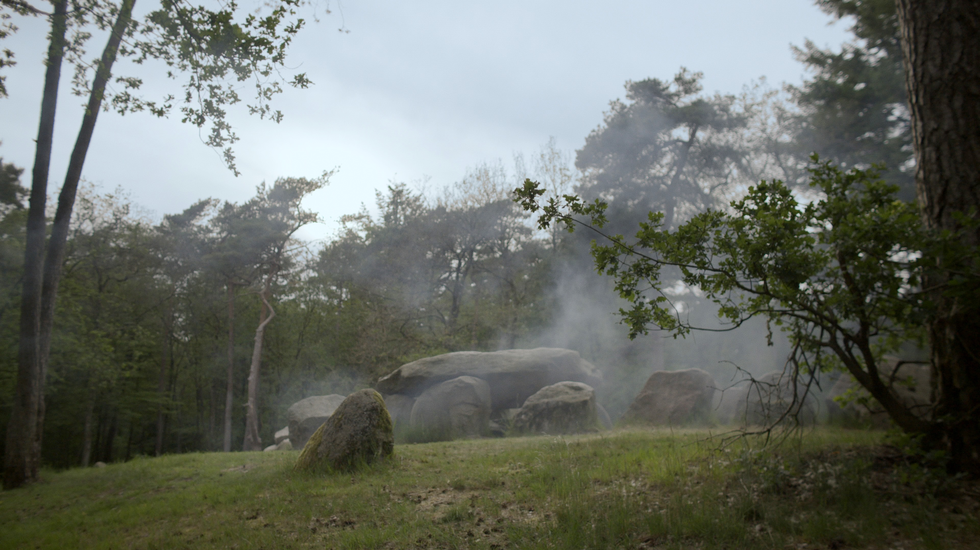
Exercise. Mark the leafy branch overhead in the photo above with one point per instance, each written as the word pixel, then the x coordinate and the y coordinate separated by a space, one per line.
pixel 841 274
pixel 215 51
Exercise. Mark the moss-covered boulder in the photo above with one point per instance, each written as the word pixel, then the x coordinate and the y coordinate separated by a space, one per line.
pixel 359 432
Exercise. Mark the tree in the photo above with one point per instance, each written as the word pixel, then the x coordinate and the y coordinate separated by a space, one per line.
pixel 854 110
pixel 665 150
pixel 218 49
pixel 277 215
pixel 842 275
pixel 940 45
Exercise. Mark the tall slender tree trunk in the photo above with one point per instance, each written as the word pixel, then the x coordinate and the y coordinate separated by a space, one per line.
pixel 941 51
pixel 41 278
pixel 162 379
pixel 230 390
pixel 252 440
pixel 87 432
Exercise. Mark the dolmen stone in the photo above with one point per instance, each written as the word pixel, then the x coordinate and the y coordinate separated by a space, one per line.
pixel 562 408
pixel 776 397
pixel 454 409
pixel 673 398
pixel 307 415
pixel 513 375
pixel 911 385
pixel 358 432
pixel 282 442
pixel 400 409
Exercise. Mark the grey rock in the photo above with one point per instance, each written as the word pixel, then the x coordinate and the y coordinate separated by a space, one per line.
pixel 359 432
pixel 673 398
pixel 307 415
pixel 562 408
pixel 513 375
pixel 270 448
pixel 282 434
pixel 400 408
pixel 604 419
pixel 453 409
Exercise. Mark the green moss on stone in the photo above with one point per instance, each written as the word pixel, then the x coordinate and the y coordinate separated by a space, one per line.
pixel 307 458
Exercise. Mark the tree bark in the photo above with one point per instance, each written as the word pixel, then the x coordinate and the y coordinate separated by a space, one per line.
pixel 19 459
pixel 37 308
pixel 941 50
pixel 162 379
pixel 252 440
pixel 230 390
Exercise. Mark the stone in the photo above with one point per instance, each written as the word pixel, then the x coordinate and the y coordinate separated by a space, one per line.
pixel 283 445
pixel 454 409
pixel 358 432
pixel 100 464
pixel 307 415
pixel 604 419
pixel 282 434
pixel 673 398
pixel 771 396
pixel 562 408
pixel 513 375
pixel 400 409
pixel 729 400
pixel 912 386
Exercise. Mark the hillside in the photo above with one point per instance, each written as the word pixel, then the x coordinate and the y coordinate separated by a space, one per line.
pixel 623 489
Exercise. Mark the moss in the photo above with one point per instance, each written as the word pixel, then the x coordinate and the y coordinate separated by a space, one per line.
pixel 307 458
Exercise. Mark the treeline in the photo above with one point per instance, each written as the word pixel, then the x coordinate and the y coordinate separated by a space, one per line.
pixel 159 325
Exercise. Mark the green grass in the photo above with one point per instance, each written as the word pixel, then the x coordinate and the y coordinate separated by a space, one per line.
pixel 623 489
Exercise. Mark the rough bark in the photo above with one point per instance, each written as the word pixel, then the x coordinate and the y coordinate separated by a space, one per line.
pixel 19 460
pixel 230 389
pixel 41 279
pixel 252 440
pixel 162 380
pixel 941 50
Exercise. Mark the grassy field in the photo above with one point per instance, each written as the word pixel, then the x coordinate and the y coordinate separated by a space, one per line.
pixel 623 489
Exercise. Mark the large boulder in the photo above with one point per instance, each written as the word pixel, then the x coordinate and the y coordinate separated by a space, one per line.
pixel 358 432
pixel 911 385
pixel 282 434
pixel 307 415
pixel 562 408
pixel 775 396
pixel 400 409
pixel 455 408
pixel 673 398
pixel 513 375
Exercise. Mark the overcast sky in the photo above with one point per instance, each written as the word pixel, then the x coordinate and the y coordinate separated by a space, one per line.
pixel 419 89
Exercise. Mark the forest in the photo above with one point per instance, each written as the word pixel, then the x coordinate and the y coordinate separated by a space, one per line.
pixel 158 323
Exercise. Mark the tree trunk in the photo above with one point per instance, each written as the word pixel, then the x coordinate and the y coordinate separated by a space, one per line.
pixel 252 440
pixel 162 381
pixel 19 458
pixel 230 391
pixel 87 433
pixel 941 50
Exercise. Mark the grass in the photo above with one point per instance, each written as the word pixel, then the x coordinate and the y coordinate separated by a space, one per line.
pixel 831 488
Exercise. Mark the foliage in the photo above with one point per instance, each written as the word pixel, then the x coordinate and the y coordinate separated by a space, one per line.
pixel 841 274
pixel 854 110
pixel 666 149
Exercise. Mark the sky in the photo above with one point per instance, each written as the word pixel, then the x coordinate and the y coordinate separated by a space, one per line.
pixel 417 90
